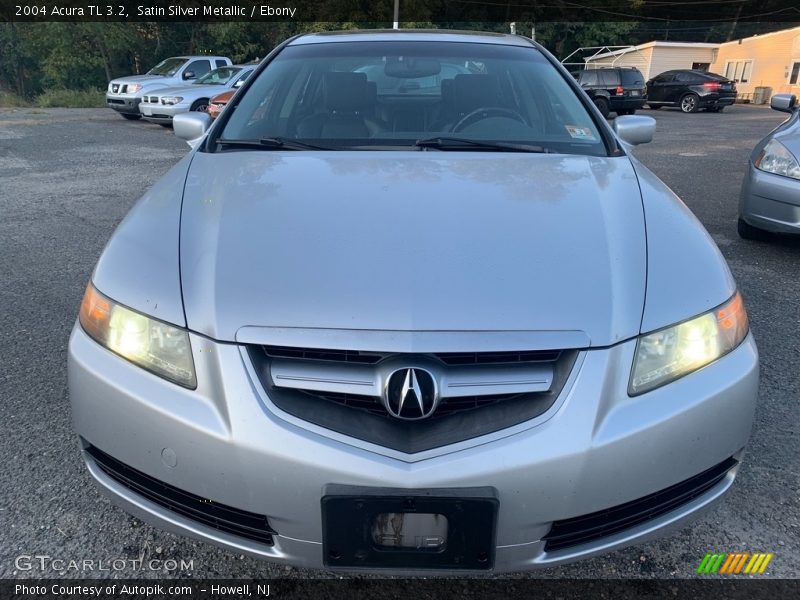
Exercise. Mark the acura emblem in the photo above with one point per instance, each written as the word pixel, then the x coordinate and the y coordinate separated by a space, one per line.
pixel 411 393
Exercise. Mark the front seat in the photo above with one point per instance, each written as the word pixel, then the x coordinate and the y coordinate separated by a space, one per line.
pixel 346 99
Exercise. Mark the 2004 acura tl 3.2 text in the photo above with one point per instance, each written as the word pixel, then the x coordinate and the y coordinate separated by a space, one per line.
pixel 411 305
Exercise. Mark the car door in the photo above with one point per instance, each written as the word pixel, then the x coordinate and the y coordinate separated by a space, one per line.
pixel 657 88
pixel 685 80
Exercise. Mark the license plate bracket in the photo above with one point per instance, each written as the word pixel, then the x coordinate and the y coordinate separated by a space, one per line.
pixel 348 513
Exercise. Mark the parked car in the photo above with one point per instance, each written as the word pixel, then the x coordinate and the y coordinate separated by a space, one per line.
pixel 162 105
pixel 125 93
pixel 770 198
pixel 464 342
pixel 691 90
pixel 614 89
pixel 219 102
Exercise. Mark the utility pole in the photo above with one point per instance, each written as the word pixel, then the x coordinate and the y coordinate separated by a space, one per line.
pixel 396 14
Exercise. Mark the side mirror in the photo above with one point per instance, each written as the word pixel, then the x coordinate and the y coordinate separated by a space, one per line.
pixel 634 129
pixel 783 102
pixel 189 75
pixel 191 126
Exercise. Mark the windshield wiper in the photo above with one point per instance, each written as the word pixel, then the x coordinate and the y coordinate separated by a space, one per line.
pixel 274 143
pixel 457 143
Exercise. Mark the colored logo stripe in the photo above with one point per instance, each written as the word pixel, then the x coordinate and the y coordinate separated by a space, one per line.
pixel 734 563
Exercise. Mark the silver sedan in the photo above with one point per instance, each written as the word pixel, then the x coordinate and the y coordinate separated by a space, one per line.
pixel 432 323
pixel 770 197
pixel 161 105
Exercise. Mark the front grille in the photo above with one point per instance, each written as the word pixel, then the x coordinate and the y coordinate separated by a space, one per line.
pixel 587 528
pixel 343 390
pixel 345 356
pixel 448 358
pixel 495 358
pixel 223 518
pixel 447 407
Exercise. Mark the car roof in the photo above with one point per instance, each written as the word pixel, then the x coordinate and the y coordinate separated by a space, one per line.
pixel 412 35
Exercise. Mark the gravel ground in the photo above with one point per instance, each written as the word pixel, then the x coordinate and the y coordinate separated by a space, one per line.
pixel 67 177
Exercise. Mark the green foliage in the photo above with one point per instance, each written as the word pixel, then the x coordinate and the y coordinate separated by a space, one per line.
pixel 52 98
pixel 38 57
pixel 11 100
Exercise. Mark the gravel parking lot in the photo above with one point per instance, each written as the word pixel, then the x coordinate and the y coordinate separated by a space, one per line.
pixel 67 177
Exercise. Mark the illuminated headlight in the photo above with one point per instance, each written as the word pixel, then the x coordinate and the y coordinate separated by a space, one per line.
pixel 134 87
pixel 110 89
pixel 776 158
pixel 171 99
pixel 669 354
pixel 162 349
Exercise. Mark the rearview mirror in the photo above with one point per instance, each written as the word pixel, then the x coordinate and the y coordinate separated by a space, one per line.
pixel 191 126
pixel 406 67
pixel 188 75
pixel 635 129
pixel 783 102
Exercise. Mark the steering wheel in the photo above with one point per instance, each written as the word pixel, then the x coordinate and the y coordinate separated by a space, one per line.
pixel 486 112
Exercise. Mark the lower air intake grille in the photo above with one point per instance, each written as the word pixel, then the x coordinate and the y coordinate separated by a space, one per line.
pixel 581 530
pixel 223 518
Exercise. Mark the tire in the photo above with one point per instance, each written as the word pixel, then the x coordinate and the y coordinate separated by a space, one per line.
pixel 689 103
pixel 748 232
pixel 602 106
pixel 131 117
pixel 653 106
pixel 200 105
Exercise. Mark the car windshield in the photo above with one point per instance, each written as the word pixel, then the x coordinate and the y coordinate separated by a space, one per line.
pixel 218 76
pixel 395 94
pixel 168 67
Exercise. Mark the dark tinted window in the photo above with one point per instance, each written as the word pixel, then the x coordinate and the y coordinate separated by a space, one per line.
pixel 589 78
pixel 221 63
pixel 687 77
pixel 198 67
pixel 610 78
pixel 632 77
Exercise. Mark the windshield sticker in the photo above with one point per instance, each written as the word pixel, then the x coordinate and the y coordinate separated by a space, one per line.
pixel 580 133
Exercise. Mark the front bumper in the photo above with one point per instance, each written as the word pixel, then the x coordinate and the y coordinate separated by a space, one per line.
pixel 162 113
pixel 123 103
pixel 595 448
pixel 770 202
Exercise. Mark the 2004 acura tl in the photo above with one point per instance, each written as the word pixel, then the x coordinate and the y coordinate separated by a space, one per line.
pixel 410 304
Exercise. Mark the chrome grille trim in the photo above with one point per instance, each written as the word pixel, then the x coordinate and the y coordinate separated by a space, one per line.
pixel 455 382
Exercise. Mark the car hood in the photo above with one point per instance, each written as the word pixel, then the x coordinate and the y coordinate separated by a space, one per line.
pixel 191 90
pixel 140 79
pixel 412 242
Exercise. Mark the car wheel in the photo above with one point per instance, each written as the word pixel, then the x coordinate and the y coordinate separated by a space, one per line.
pixel 653 106
pixel 200 105
pixel 748 232
pixel 131 117
pixel 690 103
pixel 602 106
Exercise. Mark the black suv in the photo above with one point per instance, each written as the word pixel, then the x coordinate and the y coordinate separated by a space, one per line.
pixel 616 89
pixel 690 91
